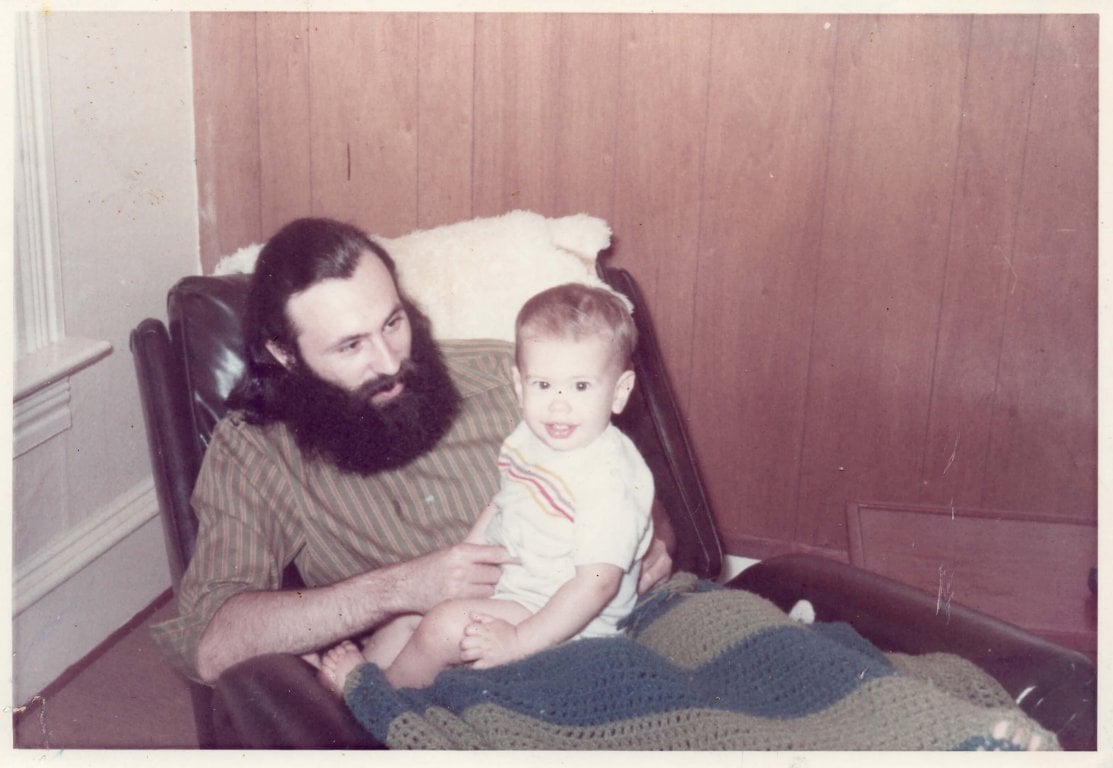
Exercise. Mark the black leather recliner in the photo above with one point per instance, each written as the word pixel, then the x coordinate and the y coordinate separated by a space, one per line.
pixel 185 372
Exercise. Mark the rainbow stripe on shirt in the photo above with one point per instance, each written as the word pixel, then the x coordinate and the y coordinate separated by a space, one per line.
pixel 547 489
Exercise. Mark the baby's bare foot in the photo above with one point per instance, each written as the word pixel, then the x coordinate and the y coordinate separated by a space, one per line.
pixel 337 664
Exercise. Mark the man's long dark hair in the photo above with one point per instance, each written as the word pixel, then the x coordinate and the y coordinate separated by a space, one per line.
pixel 300 255
pixel 343 427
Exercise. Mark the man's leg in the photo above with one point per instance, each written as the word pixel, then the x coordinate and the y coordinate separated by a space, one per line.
pixel 435 645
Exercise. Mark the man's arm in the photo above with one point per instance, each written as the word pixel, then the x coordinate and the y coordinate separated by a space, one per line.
pixel 297 621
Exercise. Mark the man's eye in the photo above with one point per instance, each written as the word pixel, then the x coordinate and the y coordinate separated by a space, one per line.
pixel 397 321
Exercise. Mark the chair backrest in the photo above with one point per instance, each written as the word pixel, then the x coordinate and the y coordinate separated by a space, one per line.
pixel 186 373
pixel 653 421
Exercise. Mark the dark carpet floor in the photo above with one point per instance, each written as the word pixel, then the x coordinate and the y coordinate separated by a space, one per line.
pixel 126 697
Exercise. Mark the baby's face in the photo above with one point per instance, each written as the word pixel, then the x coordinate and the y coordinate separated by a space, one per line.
pixel 568 389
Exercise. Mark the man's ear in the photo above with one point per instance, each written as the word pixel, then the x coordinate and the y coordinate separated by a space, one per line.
pixel 517 384
pixel 284 357
pixel 622 389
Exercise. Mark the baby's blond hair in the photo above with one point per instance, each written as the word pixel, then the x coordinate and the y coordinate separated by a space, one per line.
pixel 574 311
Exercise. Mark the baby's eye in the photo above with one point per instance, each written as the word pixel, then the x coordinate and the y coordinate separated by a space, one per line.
pixel 542 385
pixel 583 386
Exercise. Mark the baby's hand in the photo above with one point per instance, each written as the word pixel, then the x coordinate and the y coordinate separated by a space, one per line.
pixel 489 642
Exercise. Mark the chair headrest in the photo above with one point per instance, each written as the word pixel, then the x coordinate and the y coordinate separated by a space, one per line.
pixel 206 326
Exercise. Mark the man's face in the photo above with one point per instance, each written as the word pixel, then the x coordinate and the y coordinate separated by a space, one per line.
pixel 367 388
pixel 352 331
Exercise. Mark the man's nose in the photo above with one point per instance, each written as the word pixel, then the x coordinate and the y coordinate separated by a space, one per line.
pixel 385 359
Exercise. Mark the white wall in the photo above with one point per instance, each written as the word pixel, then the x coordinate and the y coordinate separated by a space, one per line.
pixel 88 547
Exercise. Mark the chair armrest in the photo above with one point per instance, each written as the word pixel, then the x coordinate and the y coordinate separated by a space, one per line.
pixel 277 702
pixel 1055 686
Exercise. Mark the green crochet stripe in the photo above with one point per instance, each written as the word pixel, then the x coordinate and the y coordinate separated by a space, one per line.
pixel 724 618
pixel 897 713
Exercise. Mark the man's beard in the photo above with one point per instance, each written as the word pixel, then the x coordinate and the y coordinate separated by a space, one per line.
pixel 346 429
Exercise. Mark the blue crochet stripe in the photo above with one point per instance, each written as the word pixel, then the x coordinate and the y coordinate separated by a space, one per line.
pixel 987 744
pixel 801 670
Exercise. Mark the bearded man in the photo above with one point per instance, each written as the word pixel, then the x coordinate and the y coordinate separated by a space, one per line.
pixel 355 448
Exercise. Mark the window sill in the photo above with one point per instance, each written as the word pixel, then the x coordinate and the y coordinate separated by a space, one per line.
pixel 55 362
pixel 42 389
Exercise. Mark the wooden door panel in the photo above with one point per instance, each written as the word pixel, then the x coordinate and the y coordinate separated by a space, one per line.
pixel 769 106
pixel 890 178
pixel 226 104
pixel 1043 447
pixel 979 276
pixel 868 242
pixel 446 74
pixel 285 132
pixel 363 104
pixel 658 183
pixel 517 57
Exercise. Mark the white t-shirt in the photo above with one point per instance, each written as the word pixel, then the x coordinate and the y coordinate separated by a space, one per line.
pixel 560 509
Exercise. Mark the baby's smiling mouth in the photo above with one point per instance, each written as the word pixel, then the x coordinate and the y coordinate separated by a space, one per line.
pixel 560 431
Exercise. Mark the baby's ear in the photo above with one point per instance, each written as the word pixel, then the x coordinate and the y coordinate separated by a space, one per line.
pixel 622 389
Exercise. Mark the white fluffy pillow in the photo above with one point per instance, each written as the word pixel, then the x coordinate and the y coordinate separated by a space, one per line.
pixel 471 278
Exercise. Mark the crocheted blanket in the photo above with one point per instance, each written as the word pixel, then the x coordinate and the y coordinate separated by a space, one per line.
pixel 702 667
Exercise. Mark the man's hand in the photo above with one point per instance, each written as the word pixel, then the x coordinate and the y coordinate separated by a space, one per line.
pixel 461 571
pixel 656 566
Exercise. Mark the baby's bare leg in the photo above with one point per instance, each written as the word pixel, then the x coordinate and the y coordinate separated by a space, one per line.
pixel 386 642
pixel 435 645
pixel 380 649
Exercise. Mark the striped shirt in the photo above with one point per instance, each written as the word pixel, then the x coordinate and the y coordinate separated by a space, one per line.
pixel 261 505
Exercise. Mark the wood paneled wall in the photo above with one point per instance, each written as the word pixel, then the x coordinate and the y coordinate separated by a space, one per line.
pixel 869 243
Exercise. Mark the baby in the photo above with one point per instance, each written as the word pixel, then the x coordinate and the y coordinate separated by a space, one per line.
pixel 573 506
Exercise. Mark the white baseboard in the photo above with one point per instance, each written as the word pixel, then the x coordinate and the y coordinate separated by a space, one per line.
pixel 71 595
pixel 59 561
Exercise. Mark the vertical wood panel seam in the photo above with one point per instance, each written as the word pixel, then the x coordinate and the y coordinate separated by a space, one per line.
pixel 689 379
pixel 417 122
pixel 474 91
pixel 309 108
pixel 619 84
pixel 471 117
pixel 808 379
pixel 258 137
pixel 933 363
pixel 557 136
pixel 1012 256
